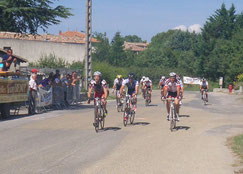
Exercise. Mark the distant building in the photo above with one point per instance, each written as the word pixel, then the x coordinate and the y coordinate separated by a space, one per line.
pixel 69 45
pixel 135 47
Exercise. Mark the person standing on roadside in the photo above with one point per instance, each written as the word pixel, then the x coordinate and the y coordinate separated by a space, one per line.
pixel 32 94
pixel 75 84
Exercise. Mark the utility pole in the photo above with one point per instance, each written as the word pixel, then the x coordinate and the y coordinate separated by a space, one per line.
pixel 88 46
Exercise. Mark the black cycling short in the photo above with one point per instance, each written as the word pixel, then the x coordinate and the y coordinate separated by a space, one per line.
pixel 162 86
pixel 172 94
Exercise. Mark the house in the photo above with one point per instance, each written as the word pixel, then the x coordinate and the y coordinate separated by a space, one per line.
pixel 135 47
pixel 69 45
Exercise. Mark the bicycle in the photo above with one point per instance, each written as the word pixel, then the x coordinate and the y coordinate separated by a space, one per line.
pixel 119 101
pixel 147 97
pixel 172 114
pixel 129 113
pixel 99 114
pixel 204 97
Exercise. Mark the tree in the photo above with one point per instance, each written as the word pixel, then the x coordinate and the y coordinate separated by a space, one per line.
pixel 30 15
pixel 102 48
pixel 118 56
pixel 221 24
pixel 133 38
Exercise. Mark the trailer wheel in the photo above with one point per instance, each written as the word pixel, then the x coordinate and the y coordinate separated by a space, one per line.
pixel 5 110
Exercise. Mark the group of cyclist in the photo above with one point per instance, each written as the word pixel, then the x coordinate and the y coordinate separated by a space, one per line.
pixel 171 87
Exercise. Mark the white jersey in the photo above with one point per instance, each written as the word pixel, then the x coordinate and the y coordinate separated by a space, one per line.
pixel 118 83
pixel 204 84
pixel 142 82
pixel 172 87
pixel 162 82
pixel 181 83
pixel 148 83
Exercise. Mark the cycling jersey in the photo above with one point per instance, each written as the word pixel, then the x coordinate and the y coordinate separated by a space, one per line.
pixel 148 84
pixel 204 85
pixel 98 87
pixel 142 81
pixel 130 86
pixel 162 82
pixel 118 83
pixel 181 83
pixel 172 86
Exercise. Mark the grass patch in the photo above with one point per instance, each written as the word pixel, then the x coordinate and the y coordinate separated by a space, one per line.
pixel 236 144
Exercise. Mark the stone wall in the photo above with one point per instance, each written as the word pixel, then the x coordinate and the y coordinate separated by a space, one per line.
pixel 33 50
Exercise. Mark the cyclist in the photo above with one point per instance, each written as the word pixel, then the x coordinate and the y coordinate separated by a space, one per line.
pixel 161 85
pixel 181 88
pixel 142 86
pixel 100 90
pixel 204 86
pixel 117 85
pixel 132 88
pixel 148 85
pixel 172 87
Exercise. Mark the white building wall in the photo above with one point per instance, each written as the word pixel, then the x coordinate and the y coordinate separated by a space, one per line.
pixel 33 50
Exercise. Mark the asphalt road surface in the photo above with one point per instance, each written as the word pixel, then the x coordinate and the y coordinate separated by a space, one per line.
pixel 65 141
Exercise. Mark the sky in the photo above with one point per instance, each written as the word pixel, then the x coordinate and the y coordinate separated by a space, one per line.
pixel 144 18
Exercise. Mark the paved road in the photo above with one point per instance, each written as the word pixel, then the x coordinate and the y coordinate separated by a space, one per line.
pixel 65 141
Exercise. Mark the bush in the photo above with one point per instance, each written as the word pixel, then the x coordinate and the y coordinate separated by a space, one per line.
pixel 108 71
pixel 50 61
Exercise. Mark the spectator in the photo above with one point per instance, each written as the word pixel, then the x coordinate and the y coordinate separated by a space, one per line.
pixel 75 84
pixel 8 59
pixel 65 85
pixel 56 75
pixel 32 94
pixel 47 81
pixel 57 80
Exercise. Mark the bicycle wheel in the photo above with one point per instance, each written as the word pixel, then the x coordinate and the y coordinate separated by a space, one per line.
pixel 125 117
pixel 118 105
pixel 172 119
pixel 102 118
pixel 96 113
pixel 132 116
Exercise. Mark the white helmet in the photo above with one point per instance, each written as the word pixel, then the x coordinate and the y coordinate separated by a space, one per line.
pixel 172 74
pixel 163 77
pixel 143 77
pixel 97 73
pixel 146 79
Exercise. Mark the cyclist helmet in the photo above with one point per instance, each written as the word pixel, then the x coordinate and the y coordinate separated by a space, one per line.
pixel 97 73
pixel 131 76
pixel 146 79
pixel 143 77
pixel 163 77
pixel 119 76
pixel 172 74
pixel 203 79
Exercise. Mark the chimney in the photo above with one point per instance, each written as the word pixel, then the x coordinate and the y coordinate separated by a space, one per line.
pixel 60 32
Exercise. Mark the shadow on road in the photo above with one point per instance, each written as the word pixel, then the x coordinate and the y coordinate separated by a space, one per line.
pixel 184 115
pixel 111 128
pixel 13 117
pixel 182 128
pixel 141 123
pixel 151 105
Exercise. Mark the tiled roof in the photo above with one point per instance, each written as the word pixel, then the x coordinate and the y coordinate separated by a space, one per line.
pixel 76 34
pixel 136 47
pixel 45 37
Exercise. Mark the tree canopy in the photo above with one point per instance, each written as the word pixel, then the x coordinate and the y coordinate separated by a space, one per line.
pixel 30 15
pixel 216 52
